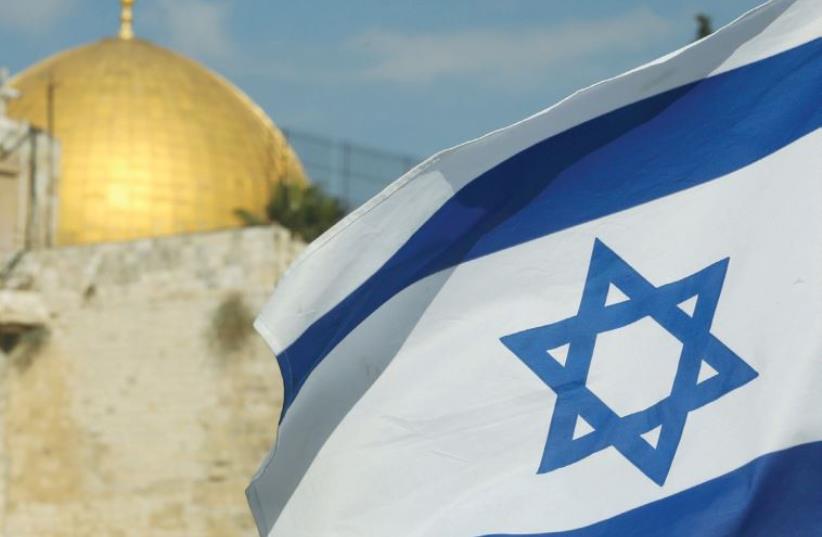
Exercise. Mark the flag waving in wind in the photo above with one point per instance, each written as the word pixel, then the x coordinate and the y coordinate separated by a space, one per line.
pixel 603 320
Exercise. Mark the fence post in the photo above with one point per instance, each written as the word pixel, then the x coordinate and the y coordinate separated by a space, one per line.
pixel 346 174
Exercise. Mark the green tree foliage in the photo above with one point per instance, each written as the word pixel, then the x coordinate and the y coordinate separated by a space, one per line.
pixel 305 210
pixel 231 324
pixel 704 26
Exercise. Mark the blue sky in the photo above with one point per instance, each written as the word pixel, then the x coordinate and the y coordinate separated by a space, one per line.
pixel 413 76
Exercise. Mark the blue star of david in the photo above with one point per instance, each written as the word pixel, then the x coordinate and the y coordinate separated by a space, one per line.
pixel 575 400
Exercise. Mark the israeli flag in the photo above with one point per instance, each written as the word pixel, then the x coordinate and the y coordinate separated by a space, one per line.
pixel 603 320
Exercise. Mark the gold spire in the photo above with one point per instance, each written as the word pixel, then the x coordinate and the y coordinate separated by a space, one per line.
pixel 126 18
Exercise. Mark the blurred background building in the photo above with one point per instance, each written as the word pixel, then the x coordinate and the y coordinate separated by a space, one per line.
pixel 134 398
pixel 28 164
pixel 153 143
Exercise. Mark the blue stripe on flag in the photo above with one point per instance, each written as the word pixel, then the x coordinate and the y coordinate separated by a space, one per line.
pixel 776 494
pixel 646 150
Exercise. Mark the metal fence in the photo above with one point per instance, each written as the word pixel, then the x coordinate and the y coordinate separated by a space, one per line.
pixel 350 172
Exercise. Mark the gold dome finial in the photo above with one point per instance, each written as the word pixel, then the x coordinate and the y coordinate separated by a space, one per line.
pixel 126 19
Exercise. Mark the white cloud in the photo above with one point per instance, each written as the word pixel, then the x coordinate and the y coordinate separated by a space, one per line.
pixel 197 27
pixel 32 16
pixel 498 55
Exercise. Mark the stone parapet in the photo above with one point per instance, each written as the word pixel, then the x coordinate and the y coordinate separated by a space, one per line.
pixel 134 412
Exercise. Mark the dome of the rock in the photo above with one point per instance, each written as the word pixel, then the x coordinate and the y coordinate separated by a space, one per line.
pixel 151 143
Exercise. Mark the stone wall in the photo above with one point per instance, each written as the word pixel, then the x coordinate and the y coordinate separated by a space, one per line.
pixel 142 402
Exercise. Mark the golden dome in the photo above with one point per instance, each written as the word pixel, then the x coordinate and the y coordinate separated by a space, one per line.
pixel 152 143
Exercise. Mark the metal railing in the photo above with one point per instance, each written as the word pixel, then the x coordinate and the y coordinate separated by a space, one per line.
pixel 352 173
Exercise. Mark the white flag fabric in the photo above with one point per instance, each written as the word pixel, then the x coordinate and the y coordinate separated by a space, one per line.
pixel 603 320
